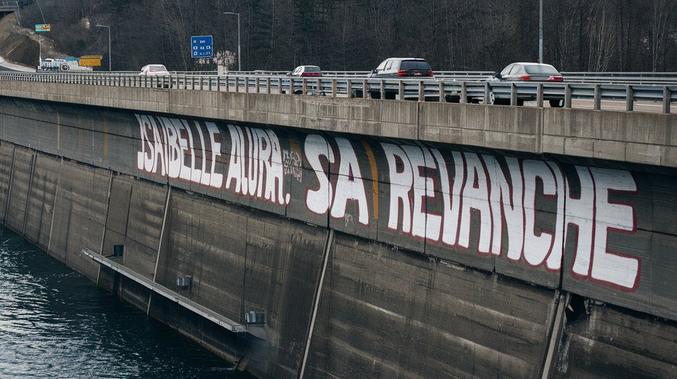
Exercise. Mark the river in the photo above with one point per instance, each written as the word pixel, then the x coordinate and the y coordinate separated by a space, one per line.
pixel 55 323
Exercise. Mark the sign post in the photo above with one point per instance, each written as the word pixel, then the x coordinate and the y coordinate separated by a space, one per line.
pixel 201 47
pixel 41 28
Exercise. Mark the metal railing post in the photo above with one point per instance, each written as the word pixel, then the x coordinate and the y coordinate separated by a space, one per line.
pixel 421 91
pixel 333 87
pixel 539 95
pixel 382 89
pixel 487 93
pixel 304 87
pixel 257 85
pixel 440 90
pixel 400 90
pixel 464 93
pixel 666 99
pixel 349 88
pixel 567 96
pixel 629 98
pixel 237 84
pixel 513 94
pixel 268 85
pixel 597 98
pixel 365 86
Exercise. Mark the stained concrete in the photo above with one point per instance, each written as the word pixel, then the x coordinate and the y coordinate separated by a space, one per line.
pixel 386 308
pixel 641 137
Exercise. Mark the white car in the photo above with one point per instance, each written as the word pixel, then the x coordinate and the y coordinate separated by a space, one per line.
pixel 154 70
pixel 306 71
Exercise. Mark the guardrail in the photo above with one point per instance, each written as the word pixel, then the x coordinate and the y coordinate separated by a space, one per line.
pixel 579 77
pixel 442 90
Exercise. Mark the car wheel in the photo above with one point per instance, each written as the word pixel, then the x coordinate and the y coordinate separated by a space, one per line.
pixel 556 103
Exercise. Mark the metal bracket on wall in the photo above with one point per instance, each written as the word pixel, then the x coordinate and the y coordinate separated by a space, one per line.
pixel 556 329
pixel 316 302
pixel 165 292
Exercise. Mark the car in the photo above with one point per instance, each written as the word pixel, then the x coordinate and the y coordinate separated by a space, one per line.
pixel 398 68
pixel 154 70
pixel 403 68
pixel 306 71
pixel 529 72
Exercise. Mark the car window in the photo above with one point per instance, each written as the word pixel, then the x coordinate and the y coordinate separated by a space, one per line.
pixel 506 70
pixel 312 69
pixel 515 69
pixel 157 68
pixel 415 65
pixel 389 65
pixel 382 65
pixel 541 69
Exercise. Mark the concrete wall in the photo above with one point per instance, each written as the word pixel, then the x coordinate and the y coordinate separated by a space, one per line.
pixel 460 322
pixel 391 302
pixel 621 136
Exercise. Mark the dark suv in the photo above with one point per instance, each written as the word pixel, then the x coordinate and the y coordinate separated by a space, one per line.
pixel 403 68
pixel 399 68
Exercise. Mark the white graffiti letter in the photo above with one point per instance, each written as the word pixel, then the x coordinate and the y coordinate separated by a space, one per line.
pixel 537 246
pixel 607 266
pixel 475 196
pixel 506 205
pixel 319 200
pixel 349 185
pixel 400 186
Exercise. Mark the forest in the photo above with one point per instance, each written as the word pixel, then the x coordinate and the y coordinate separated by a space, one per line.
pixel 579 35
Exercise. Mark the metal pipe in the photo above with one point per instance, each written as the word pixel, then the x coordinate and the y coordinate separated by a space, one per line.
pixel 540 31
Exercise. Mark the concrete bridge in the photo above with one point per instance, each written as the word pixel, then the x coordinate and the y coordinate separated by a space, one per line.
pixel 302 236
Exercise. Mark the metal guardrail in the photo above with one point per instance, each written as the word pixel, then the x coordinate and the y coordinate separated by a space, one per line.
pixel 579 77
pixel 9 6
pixel 559 94
pixel 572 77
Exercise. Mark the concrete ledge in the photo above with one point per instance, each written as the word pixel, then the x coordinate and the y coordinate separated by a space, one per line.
pixel 645 138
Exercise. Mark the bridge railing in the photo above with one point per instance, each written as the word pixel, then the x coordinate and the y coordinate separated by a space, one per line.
pixel 437 89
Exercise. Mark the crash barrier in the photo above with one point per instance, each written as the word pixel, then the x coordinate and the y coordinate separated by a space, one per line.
pixel 557 94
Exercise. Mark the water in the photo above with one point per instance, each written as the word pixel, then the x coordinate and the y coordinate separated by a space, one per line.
pixel 55 323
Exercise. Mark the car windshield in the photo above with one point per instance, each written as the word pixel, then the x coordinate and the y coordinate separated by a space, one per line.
pixel 312 69
pixel 541 69
pixel 415 65
pixel 157 68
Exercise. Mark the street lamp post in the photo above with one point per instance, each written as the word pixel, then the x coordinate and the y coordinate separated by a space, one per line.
pixel 110 56
pixel 39 35
pixel 540 31
pixel 239 56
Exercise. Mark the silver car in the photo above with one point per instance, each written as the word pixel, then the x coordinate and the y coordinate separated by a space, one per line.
pixel 529 72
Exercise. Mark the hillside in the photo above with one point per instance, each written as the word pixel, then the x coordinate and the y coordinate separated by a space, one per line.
pixel 580 35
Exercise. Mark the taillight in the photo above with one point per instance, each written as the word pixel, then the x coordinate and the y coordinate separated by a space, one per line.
pixel 401 73
pixel 525 77
pixel 429 73
pixel 555 78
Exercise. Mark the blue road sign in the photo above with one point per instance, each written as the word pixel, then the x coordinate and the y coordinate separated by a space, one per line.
pixel 201 46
